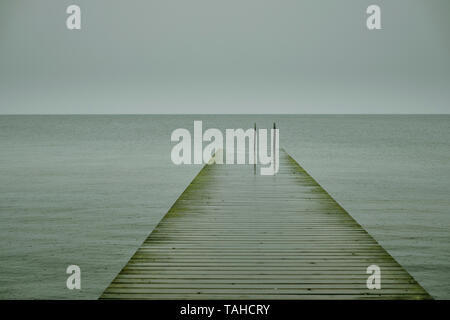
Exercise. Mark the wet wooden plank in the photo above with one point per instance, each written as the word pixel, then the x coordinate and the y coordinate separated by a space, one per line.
pixel 236 235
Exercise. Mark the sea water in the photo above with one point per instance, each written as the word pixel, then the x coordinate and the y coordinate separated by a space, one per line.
pixel 87 190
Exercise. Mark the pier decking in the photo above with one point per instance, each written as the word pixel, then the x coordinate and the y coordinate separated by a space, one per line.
pixel 236 235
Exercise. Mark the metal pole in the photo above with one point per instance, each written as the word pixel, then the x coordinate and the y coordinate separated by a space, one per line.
pixel 274 146
pixel 254 151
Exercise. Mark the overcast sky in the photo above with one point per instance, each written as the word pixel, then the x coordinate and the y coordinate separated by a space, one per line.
pixel 224 56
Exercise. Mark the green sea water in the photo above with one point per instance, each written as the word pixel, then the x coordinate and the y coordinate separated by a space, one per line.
pixel 87 190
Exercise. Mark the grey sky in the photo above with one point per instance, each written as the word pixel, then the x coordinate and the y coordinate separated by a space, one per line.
pixel 224 56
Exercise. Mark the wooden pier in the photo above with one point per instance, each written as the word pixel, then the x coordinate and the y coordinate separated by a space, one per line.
pixel 236 235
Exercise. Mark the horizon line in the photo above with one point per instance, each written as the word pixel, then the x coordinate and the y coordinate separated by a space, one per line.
pixel 215 114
